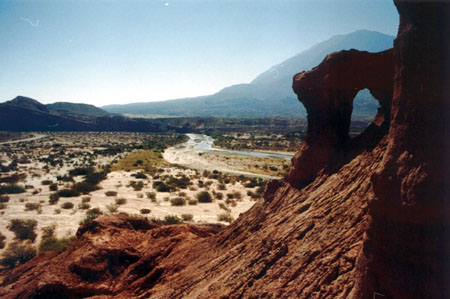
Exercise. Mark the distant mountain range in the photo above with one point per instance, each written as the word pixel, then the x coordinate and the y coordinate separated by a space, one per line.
pixel 269 94
pixel 26 114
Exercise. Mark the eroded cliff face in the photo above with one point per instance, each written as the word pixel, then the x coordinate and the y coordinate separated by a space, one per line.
pixel 367 219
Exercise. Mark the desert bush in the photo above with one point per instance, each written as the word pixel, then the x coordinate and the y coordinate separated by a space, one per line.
pixel 53 187
pixel 178 201
pixel 68 193
pixel 48 231
pixel 23 229
pixel 84 206
pixel 64 178
pixel 91 214
pixel 121 200
pixel 85 199
pixel 137 186
pixel 112 208
pixel 47 182
pixel 3 206
pixel 150 195
pixel 224 207
pixel 140 175
pixel 140 195
pixel 31 206
pixel 222 187
pixel 84 187
pixel 237 194
pixel 11 189
pixel 145 211
pixel 52 243
pixel 2 241
pixel 160 186
pixel 54 197
pixel 16 254
pixel 187 217
pixel 231 202
pixel 192 202
pixel 172 219
pixel 218 195
pixel 110 193
pixel 81 171
pixel 4 198
pixel 204 197
pixel 226 217
pixel 67 205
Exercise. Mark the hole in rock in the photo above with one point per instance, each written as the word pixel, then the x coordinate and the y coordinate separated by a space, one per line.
pixel 365 108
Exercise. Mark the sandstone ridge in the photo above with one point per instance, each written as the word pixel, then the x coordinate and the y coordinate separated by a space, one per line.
pixel 370 220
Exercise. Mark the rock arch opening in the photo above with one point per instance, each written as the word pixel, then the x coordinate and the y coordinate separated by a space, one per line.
pixel 365 108
pixel 327 93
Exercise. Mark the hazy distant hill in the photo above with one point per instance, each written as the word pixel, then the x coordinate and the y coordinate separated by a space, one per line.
pixel 269 94
pixel 84 109
pixel 27 114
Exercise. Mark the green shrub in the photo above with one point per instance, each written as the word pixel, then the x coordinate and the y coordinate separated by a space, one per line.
pixel 17 254
pixel 137 186
pixel 48 231
pixel 53 244
pixel 172 219
pixel 178 201
pixel 112 208
pixel 121 201
pixel 4 198
pixel 91 214
pixel 11 189
pixel 204 197
pixel 226 217
pixel 110 193
pixel 145 211
pixel 67 205
pixel 187 217
pixel 23 229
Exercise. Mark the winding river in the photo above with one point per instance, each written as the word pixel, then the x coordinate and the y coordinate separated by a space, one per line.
pixel 194 154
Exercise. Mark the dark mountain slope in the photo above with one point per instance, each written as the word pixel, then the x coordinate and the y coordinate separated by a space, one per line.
pixel 75 108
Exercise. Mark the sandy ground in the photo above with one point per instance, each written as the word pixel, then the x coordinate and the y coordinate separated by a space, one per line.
pixel 67 220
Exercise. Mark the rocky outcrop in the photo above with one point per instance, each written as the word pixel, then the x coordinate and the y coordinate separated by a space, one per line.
pixel 410 225
pixel 374 224
pixel 327 92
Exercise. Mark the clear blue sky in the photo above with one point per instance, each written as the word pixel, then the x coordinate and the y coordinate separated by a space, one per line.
pixel 116 52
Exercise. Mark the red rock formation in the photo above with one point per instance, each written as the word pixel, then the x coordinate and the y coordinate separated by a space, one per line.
pixel 375 228
pixel 327 92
